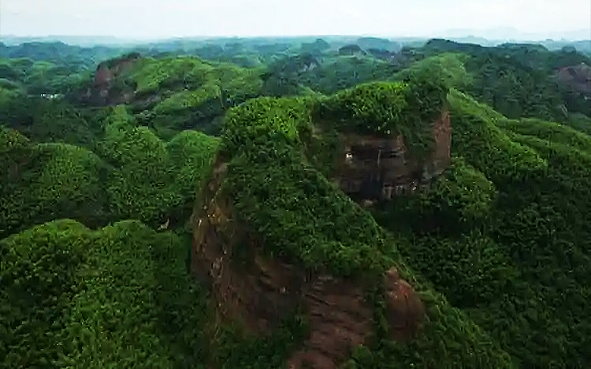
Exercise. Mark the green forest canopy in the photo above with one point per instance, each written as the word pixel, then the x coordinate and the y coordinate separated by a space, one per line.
pixel 498 248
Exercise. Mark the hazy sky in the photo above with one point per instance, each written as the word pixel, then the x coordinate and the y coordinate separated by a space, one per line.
pixel 165 18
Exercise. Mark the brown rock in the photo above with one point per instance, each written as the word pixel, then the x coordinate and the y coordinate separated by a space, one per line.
pixel 104 90
pixel 340 319
pixel 380 167
pixel 578 77
pixel 405 311
pixel 260 291
pixel 440 157
pixel 256 290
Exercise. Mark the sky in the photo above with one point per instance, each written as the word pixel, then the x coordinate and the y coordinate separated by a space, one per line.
pixel 149 19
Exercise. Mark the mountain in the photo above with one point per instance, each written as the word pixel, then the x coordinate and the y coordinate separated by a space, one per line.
pixel 250 203
pixel 83 41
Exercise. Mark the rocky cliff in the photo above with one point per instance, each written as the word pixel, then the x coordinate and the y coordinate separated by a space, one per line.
pixel 275 237
pixel 260 291
pixel 107 87
pixel 378 167
pixel 578 77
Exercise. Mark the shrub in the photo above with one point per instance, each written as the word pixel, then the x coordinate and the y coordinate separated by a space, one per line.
pixel 119 296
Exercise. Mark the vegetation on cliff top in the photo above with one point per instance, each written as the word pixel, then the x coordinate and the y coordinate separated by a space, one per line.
pixel 303 218
pixel 466 235
pixel 264 138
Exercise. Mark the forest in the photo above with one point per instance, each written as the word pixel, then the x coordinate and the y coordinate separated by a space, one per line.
pixel 108 155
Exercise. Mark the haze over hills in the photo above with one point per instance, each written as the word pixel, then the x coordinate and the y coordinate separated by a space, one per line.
pixel 512 34
pixel 84 41
pixel 503 20
pixel 579 38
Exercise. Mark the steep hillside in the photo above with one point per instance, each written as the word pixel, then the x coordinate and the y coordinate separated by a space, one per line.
pixel 275 237
pixel 504 233
pixel 175 93
pixel 501 233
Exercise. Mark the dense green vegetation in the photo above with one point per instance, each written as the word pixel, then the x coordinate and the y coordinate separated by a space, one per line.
pixel 113 297
pixel 172 94
pixel 288 75
pixel 42 182
pixel 504 234
pixel 516 80
pixel 388 109
pixel 41 76
pixel 134 176
pixel 103 152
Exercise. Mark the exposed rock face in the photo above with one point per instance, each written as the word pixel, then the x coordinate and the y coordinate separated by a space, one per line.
pixel 260 292
pixel 405 309
pixel 340 319
pixel 247 286
pixel 376 167
pixel 440 157
pixel 578 77
pixel 106 89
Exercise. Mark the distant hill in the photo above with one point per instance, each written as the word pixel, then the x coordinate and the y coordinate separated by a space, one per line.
pixel 510 34
pixel 85 41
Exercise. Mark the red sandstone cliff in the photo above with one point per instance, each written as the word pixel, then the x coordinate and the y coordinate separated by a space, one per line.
pixel 259 291
pixel 376 167
pixel 107 88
